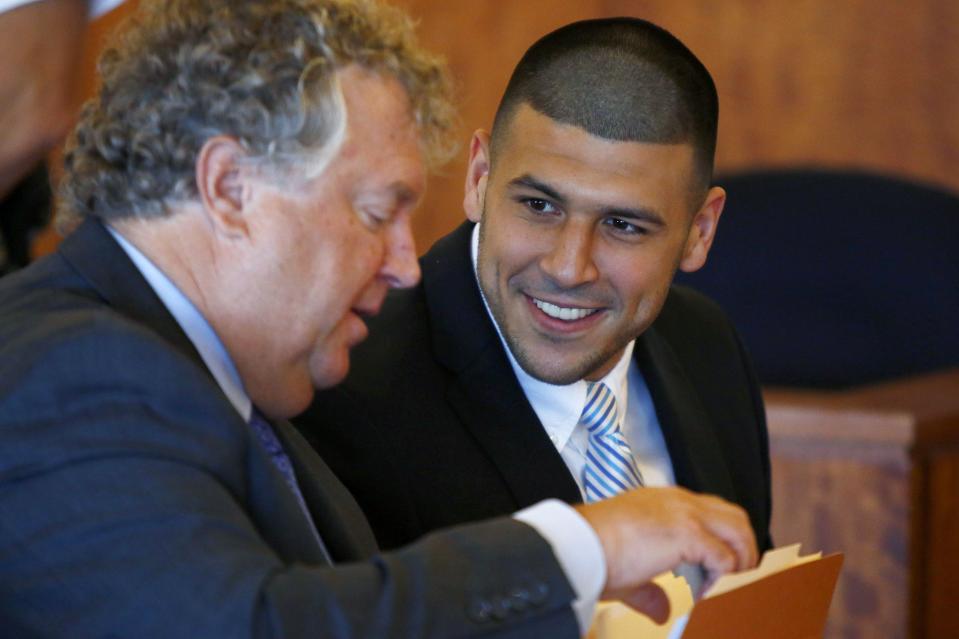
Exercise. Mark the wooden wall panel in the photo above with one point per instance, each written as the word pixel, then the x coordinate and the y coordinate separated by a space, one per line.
pixel 860 84
pixel 872 472
pixel 938 591
pixel 837 499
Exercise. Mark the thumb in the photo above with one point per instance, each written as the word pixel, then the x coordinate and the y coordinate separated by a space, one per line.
pixel 650 600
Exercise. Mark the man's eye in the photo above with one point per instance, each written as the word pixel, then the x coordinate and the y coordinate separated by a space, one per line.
pixel 538 205
pixel 374 217
pixel 622 226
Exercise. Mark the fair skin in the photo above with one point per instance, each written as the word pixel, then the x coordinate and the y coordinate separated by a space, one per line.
pixel 580 240
pixel 285 271
pixel 290 267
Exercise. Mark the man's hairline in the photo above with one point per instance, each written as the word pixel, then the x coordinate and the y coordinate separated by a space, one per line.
pixel 505 118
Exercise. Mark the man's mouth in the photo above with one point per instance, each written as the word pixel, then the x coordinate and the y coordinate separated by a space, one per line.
pixel 565 313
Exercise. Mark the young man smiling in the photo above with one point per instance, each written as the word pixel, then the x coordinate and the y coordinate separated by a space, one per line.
pixel 546 352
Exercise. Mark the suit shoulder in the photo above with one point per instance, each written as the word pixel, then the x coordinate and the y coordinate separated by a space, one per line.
pixel 79 334
pixel 699 331
pixel 84 385
pixel 683 299
pixel 59 355
pixel 689 314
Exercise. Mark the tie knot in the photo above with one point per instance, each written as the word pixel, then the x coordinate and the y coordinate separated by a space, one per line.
pixel 599 414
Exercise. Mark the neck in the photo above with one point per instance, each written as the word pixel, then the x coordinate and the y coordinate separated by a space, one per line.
pixel 176 244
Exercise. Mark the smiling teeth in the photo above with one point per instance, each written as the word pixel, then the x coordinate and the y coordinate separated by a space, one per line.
pixel 560 312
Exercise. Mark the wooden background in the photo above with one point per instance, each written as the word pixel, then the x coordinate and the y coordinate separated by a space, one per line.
pixel 855 83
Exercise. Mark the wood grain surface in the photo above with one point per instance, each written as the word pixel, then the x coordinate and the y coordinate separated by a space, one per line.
pixel 870 85
pixel 860 84
pixel 874 473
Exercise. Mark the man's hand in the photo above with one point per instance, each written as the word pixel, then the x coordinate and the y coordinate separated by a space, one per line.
pixel 648 531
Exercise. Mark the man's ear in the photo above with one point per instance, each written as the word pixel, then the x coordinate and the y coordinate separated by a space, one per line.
pixel 703 231
pixel 477 175
pixel 220 177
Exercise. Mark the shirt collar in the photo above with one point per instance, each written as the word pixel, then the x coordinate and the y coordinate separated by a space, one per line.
pixel 558 407
pixel 197 329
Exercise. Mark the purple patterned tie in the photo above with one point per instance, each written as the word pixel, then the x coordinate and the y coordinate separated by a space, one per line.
pixel 267 436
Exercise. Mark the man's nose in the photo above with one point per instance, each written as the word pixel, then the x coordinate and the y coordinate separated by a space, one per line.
pixel 400 268
pixel 569 262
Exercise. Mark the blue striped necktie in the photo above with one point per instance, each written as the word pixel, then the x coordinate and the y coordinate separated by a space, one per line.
pixel 610 468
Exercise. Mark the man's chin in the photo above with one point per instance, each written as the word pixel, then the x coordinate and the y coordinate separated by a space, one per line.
pixel 551 371
pixel 330 371
pixel 286 402
pixel 562 369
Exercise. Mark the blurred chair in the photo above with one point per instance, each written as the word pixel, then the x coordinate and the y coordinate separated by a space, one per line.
pixel 837 279
pixel 845 287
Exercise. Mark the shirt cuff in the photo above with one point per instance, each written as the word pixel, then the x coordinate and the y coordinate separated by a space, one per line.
pixel 577 548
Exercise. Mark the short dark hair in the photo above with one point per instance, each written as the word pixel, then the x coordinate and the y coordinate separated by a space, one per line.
pixel 621 79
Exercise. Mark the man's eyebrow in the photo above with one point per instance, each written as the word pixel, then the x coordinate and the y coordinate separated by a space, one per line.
pixel 640 214
pixel 403 193
pixel 529 181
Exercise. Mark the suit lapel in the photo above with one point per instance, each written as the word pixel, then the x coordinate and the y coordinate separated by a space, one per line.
pixel 96 256
pixel 339 521
pixel 484 391
pixel 277 511
pixel 690 436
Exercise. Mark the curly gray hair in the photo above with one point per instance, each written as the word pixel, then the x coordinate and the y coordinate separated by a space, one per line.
pixel 262 71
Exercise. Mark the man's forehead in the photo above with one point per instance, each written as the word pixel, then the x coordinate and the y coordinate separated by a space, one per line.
pixel 568 157
pixel 531 135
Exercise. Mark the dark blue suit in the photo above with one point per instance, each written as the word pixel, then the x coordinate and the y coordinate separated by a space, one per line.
pixel 135 502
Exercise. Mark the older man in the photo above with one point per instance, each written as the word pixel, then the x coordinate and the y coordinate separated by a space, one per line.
pixel 245 180
pixel 474 396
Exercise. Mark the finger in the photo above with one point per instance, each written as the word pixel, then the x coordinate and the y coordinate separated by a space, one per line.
pixel 649 599
pixel 740 538
pixel 711 551
pixel 731 524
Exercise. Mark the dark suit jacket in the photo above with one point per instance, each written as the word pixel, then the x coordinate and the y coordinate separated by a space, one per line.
pixel 441 433
pixel 135 502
